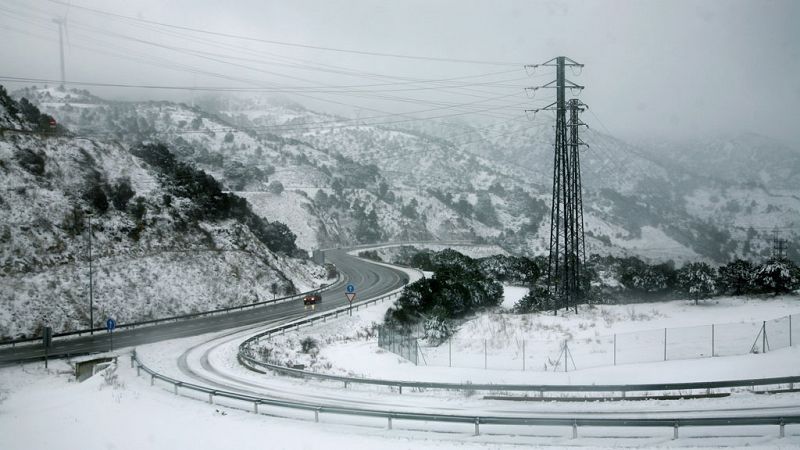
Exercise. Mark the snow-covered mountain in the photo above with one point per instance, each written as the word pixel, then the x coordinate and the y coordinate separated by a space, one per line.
pixel 158 248
pixel 347 182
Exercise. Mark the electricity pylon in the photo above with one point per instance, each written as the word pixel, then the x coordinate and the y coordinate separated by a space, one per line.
pixel 567 245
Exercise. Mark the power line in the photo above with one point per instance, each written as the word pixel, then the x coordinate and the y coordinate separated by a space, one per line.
pixel 288 44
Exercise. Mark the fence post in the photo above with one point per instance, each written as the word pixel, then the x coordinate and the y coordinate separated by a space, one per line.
pixel 764 336
pixel 712 340
pixel 665 344
pixel 615 349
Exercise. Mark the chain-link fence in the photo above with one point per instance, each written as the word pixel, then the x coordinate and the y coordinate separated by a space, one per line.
pixel 663 344
pixel 404 345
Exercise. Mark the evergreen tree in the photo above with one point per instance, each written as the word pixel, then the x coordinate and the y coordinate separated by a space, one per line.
pixel 777 276
pixel 696 280
pixel 735 278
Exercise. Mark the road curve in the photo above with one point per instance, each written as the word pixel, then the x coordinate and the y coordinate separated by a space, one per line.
pixel 370 280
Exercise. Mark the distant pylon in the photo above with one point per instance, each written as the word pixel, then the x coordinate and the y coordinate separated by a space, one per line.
pixel 61 23
pixel 567 246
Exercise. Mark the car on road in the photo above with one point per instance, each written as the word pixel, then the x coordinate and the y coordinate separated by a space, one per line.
pixel 312 299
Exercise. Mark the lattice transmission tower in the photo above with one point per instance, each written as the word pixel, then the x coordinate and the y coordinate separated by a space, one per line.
pixel 565 274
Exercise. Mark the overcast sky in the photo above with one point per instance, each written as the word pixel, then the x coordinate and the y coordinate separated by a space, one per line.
pixel 658 68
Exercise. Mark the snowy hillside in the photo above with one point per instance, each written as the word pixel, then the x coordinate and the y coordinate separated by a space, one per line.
pixel 339 183
pixel 154 254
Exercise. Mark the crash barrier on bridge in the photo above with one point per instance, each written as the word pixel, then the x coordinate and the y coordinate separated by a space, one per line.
pixel 502 351
pixel 132 325
pixel 315 412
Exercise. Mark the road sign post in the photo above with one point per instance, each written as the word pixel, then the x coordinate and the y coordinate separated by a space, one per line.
pixel 110 325
pixel 47 339
pixel 350 293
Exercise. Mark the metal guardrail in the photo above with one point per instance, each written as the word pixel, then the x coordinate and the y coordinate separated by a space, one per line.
pixel 245 358
pixel 477 420
pixel 212 312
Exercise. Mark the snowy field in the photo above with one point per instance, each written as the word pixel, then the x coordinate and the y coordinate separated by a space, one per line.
pixel 634 332
pixel 122 411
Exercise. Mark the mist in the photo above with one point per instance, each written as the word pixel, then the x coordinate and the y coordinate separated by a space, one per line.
pixel 655 69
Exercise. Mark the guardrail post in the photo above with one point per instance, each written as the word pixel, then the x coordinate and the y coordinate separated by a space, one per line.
pixel 176 388
pixel 712 341
pixel 675 430
pixel 389 426
pixel 255 407
pixel 152 379
pixel 210 398
pixel 477 426
pixel 450 352
pixel 400 386
pixel 615 349
pixel 316 415
pixel 138 370
pixel 781 433
pixel 132 363
pixel 574 429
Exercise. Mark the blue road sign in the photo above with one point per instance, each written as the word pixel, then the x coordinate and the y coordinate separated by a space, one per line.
pixel 111 324
pixel 351 288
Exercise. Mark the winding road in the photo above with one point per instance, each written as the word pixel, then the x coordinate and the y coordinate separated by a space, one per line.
pixel 371 280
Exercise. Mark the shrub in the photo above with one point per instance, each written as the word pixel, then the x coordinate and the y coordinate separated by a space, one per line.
pixel 31 161
pixel 121 193
pixel 96 196
pixel 276 187
pixel 309 345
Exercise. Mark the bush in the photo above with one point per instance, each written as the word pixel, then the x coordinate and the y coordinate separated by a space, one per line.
pixel 458 288
pixel 276 187
pixel 211 203
pixel 696 280
pixel 309 345
pixel 138 209
pixel 31 161
pixel 536 300
pixel 121 194
pixel 777 276
pixel 96 196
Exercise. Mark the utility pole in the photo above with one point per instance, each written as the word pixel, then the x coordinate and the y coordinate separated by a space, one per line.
pixel 91 283
pixel 61 24
pixel 566 212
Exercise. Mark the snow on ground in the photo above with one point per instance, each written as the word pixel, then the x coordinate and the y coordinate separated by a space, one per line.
pixel 512 294
pixel 290 208
pixel 495 341
pixel 42 409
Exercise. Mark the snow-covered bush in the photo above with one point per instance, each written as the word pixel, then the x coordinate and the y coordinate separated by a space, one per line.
pixel 777 276
pixel 697 280
pixel 437 329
